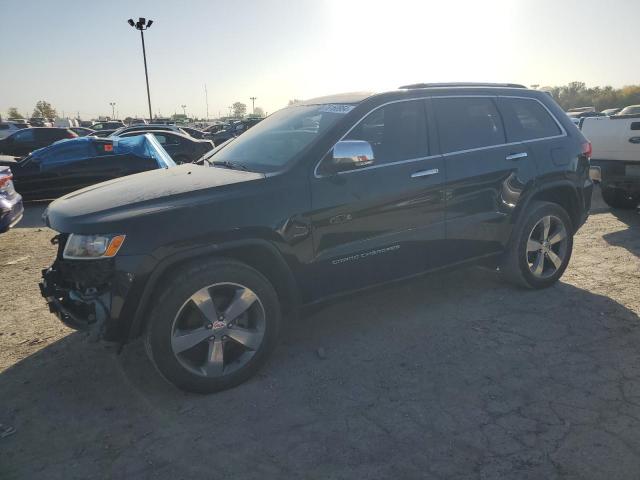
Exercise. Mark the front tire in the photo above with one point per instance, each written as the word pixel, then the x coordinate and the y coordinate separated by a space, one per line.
pixel 213 326
pixel 540 247
pixel 620 199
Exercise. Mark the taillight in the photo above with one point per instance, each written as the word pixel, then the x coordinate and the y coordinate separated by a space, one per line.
pixel 4 179
pixel 587 149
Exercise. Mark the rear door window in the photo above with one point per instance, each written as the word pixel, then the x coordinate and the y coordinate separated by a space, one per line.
pixel 465 123
pixel 527 119
pixel 397 131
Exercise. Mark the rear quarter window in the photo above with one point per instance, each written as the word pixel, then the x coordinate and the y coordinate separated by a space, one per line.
pixel 527 119
pixel 465 123
pixel 52 133
pixel 166 140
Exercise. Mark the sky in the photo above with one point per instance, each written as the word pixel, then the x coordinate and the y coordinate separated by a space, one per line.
pixel 81 55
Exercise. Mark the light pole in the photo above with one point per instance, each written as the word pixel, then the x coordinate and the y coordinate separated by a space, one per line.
pixel 206 99
pixel 143 25
pixel 113 110
pixel 184 110
pixel 253 104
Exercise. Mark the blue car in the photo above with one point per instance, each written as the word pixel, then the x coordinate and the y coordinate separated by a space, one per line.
pixel 70 165
pixel 11 208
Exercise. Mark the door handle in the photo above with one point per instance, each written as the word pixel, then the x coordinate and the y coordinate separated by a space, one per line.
pixel 425 173
pixel 516 156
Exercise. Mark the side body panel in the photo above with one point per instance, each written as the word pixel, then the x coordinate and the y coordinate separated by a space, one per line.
pixel 376 225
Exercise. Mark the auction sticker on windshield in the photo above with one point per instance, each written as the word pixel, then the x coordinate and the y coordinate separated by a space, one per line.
pixel 335 108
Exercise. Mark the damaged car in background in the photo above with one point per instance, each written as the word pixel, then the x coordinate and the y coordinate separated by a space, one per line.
pixel 73 164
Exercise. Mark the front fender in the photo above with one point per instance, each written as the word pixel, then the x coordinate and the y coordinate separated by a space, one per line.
pixel 167 264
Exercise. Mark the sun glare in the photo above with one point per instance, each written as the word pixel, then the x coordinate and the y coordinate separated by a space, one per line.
pixel 379 47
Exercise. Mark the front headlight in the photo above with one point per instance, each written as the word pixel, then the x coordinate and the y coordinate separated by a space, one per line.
pixel 83 247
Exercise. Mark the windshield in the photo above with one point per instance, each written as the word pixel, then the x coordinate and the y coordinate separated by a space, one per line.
pixel 272 143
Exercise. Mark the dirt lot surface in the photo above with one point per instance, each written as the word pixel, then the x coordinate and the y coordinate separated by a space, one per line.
pixel 449 376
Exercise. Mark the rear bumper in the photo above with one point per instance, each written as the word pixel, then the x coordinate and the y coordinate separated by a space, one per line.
pixel 614 174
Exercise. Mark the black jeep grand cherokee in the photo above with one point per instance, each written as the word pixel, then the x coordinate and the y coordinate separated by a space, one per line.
pixel 320 199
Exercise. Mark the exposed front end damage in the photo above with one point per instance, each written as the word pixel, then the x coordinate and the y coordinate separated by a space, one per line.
pixel 80 293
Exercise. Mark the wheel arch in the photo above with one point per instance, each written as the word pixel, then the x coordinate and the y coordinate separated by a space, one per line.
pixel 562 193
pixel 259 254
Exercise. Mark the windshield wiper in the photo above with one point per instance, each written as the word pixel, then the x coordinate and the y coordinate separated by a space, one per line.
pixel 231 165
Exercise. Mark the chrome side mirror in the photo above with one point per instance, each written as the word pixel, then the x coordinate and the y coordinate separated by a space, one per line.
pixel 351 154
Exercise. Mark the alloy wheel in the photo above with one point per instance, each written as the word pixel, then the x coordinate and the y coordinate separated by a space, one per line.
pixel 546 246
pixel 218 329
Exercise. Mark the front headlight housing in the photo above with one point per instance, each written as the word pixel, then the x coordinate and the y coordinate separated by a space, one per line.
pixel 87 247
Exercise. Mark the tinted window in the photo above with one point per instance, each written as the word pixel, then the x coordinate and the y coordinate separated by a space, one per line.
pixel 63 154
pixel 52 133
pixel 4 126
pixel 24 136
pixel 527 119
pixel 468 122
pixel 397 131
pixel 166 140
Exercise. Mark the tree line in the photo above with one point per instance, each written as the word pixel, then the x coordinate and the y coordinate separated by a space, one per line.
pixel 574 94
pixel 42 109
pixel 577 94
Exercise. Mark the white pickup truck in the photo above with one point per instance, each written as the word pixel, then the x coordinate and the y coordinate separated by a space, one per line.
pixel 615 159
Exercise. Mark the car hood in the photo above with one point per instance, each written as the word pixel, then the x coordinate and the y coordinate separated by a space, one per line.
pixel 117 202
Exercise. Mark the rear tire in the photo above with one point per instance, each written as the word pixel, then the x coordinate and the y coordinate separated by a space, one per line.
pixel 213 326
pixel 620 199
pixel 540 246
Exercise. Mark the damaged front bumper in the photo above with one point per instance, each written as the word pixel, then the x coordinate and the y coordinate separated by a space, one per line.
pixel 99 296
pixel 79 305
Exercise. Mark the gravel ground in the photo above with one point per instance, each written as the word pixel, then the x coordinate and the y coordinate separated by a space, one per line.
pixel 450 376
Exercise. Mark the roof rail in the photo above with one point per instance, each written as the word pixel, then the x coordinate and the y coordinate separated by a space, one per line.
pixel 461 84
